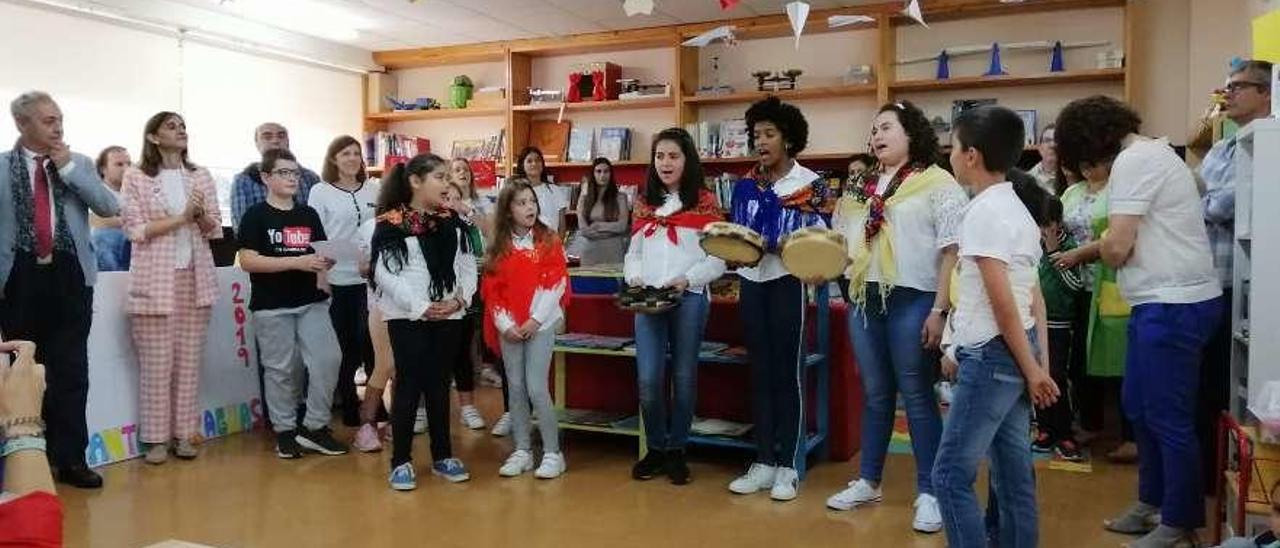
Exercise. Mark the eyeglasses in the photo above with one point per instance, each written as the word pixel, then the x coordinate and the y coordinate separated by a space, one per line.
pixel 286 173
pixel 1235 87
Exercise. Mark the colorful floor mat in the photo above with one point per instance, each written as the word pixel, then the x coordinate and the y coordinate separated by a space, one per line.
pixel 900 444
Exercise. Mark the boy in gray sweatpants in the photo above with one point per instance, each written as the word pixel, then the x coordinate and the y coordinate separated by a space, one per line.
pixel 290 305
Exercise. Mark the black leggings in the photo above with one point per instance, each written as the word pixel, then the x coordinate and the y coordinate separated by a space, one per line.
pixel 1056 419
pixel 423 352
pixel 464 370
pixel 1092 393
pixel 773 318
pixel 349 311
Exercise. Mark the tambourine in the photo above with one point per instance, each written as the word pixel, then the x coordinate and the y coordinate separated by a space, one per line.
pixel 815 253
pixel 648 300
pixel 732 242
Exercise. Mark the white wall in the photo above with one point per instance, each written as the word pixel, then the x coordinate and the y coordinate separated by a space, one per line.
pixel 109 79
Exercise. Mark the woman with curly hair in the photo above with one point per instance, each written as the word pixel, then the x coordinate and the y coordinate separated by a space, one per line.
pixel 778 197
pixel 1156 241
pixel 901 219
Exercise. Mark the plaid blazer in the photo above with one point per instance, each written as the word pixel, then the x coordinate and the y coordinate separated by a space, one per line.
pixel 151 269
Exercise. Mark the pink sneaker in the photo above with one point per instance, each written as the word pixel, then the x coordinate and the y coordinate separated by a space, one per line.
pixel 367 439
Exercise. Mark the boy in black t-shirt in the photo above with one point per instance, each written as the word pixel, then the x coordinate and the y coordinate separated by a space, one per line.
pixel 290 305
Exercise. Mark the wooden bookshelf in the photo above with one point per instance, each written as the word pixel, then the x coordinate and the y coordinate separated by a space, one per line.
pixel 816 157
pixel 600 106
pixel 438 114
pixel 622 163
pixel 1009 81
pixel 786 95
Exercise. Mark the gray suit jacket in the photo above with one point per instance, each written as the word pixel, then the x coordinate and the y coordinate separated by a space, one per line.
pixel 86 191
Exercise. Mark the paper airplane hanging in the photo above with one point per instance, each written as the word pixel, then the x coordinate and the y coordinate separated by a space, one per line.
pixel 723 32
pixel 837 21
pixel 797 13
pixel 912 10
pixel 637 7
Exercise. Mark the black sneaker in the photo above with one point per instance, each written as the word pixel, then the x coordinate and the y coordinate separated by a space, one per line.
pixel 287 445
pixel 653 463
pixel 1068 450
pixel 677 468
pixel 321 441
pixel 1043 443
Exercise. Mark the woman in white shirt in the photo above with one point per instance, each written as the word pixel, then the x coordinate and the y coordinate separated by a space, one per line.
pixel 665 253
pixel 347 199
pixel 901 221
pixel 425 274
pixel 553 201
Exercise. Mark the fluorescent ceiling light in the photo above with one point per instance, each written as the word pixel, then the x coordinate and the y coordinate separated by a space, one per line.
pixel 311 17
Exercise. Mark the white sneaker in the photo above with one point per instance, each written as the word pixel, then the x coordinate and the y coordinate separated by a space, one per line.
pixel 519 462
pixel 552 466
pixel 759 476
pixel 361 377
pixel 928 517
pixel 858 493
pixel 471 417
pixel 785 484
pixel 420 422
pixel 944 390
pixel 502 428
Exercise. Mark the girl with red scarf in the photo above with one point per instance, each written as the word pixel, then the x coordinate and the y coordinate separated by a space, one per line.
pixel 525 290
pixel 664 253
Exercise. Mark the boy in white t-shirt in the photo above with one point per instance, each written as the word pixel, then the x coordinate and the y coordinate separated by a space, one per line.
pixel 999 375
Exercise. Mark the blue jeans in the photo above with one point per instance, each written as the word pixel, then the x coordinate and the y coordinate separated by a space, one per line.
pixel 1161 383
pixel 112 248
pixel 886 341
pixel 990 414
pixel 666 426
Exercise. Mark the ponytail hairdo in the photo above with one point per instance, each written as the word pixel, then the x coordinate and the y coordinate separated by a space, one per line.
pixel 439 240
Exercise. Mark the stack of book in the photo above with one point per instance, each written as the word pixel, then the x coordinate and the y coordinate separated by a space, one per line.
pixel 479 149
pixel 614 143
pixel 727 139
pixel 383 145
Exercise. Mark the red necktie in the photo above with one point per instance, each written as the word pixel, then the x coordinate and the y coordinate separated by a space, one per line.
pixel 44 211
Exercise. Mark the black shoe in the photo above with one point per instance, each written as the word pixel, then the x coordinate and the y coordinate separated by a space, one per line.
pixel 287 445
pixel 651 465
pixel 351 415
pixel 677 468
pixel 321 441
pixel 80 476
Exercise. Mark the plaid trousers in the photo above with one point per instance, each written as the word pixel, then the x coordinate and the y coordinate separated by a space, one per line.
pixel 170 349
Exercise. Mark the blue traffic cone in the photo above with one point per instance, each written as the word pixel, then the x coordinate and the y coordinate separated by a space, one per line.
pixel 1055 61
pixel 995 69
pixel 944 70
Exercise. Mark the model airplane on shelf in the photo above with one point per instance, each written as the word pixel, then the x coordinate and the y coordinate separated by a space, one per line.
pixel 943 58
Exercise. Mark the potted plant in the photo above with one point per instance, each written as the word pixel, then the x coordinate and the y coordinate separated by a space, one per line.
pixel 460 91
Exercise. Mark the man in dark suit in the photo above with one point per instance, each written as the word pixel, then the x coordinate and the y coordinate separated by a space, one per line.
pixel 48 267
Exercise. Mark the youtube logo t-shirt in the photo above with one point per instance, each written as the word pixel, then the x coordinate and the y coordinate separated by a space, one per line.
pixel 282 233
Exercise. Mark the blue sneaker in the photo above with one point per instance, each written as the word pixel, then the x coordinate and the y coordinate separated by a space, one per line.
pixel 451 469
pixel 403 478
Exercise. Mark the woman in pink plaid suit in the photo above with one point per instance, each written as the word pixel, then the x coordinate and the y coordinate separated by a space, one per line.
pixel 170 211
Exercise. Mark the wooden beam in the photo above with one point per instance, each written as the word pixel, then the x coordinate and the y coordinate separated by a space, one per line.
pixel 686 84
pixel 485 52
pixel 950 10
pixel 519 78
pixel 886 69
pixel 1131 80
pixel 620 40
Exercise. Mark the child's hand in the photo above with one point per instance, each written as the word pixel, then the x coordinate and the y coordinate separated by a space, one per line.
pixel 1044 392
pixel 514 335
pixel 931 333
pixel 950 369
pixel 1051 237
pixel 312 263
pixel 679 284
pixel 530 327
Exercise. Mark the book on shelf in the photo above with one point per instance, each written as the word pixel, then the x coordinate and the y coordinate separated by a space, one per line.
pixel 470 149
pixel 383 146
pixel 484 172
pixel 581 141
pixel 733 139
pixel 550 137
pixel 615 143
pixel 706 137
